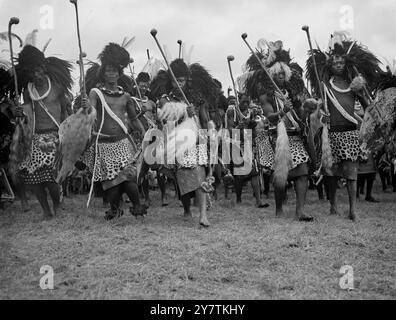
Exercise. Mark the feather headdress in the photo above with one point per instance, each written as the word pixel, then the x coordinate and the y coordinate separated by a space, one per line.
pixel 276 60
pixel 200 82
pixel 58 70
pixel 355 54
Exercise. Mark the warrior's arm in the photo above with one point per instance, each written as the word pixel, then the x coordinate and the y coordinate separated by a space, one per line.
pixel 131 110
pixel 268 111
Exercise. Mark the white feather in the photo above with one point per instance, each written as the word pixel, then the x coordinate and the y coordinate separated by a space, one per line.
pixel 31 38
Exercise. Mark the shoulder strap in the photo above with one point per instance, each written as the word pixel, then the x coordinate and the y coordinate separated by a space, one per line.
pixel 338 106
pixel 110 112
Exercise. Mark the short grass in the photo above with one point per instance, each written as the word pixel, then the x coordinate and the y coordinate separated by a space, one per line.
pixel 246 254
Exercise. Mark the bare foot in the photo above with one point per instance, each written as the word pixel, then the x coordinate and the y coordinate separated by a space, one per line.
pixel 333 211
pixel 262 205
pixel 279 213
pixel 47 215
pixel 204 223
pixel 187 214
pixel 352 216
pixel 147 203
pixel 303 217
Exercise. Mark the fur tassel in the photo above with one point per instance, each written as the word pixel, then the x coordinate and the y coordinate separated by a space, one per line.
pixel 283 158
pixel 20 148
pixel 327 157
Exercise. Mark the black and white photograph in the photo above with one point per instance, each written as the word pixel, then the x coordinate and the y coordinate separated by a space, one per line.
pixel 197 155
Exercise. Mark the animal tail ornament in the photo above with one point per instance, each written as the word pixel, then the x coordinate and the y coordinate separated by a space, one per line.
pixel 20 148
pixel 327 157
pixel 283 159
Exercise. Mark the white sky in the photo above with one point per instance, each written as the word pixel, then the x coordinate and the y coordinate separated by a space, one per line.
pixel 214 27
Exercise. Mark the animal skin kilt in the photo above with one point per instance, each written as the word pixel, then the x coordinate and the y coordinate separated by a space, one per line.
pixel 298 152
pixel 190 172
pixel 115 161
pixel 40 167
pixel 347 152
pixel 263 151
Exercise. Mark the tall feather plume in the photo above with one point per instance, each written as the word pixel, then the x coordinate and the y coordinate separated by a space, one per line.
pixel 31 38
pixel 127 43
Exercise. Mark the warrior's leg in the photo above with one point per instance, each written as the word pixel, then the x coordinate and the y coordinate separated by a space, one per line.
pixel 266 179
pixel 54 191
pixel 332 185
pixel 256 191
pixel 370 183
pixel 393 180
pixel 20 189
pixel 360 185
pixel 352 186
pixel 382 175
pixel 41 195
pixel 132 190
pixel 319 189
pixel 186 201
pixel 301 187
pixel 113 195
pixel 279 199
pixel 202 200
pixel 162 186
pixel 238 184
pixel 363 182
pixel 145 190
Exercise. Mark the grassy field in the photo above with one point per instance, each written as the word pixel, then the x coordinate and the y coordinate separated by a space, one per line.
pixel 246 254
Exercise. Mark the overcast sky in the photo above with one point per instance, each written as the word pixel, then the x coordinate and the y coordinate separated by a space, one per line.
pixel 214 27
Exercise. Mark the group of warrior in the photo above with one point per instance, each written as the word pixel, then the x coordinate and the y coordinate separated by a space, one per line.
pixel 297 133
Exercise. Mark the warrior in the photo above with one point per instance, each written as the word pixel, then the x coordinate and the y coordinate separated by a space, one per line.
pixel 346 69
pixel 6 128
pixel 148 117
pixel 243 118
pixel 284 110
pixel 175 113
pixel 46 85
pixel 113 155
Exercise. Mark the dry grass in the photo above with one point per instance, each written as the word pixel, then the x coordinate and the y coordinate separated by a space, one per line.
pixel 246 254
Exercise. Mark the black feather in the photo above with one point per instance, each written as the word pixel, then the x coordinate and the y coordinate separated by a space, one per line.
pixel 114 55
pixel 161 85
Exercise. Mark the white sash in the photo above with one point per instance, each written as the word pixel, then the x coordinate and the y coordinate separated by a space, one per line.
pixel 35 97
pixel 338 106
pixel 106 107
